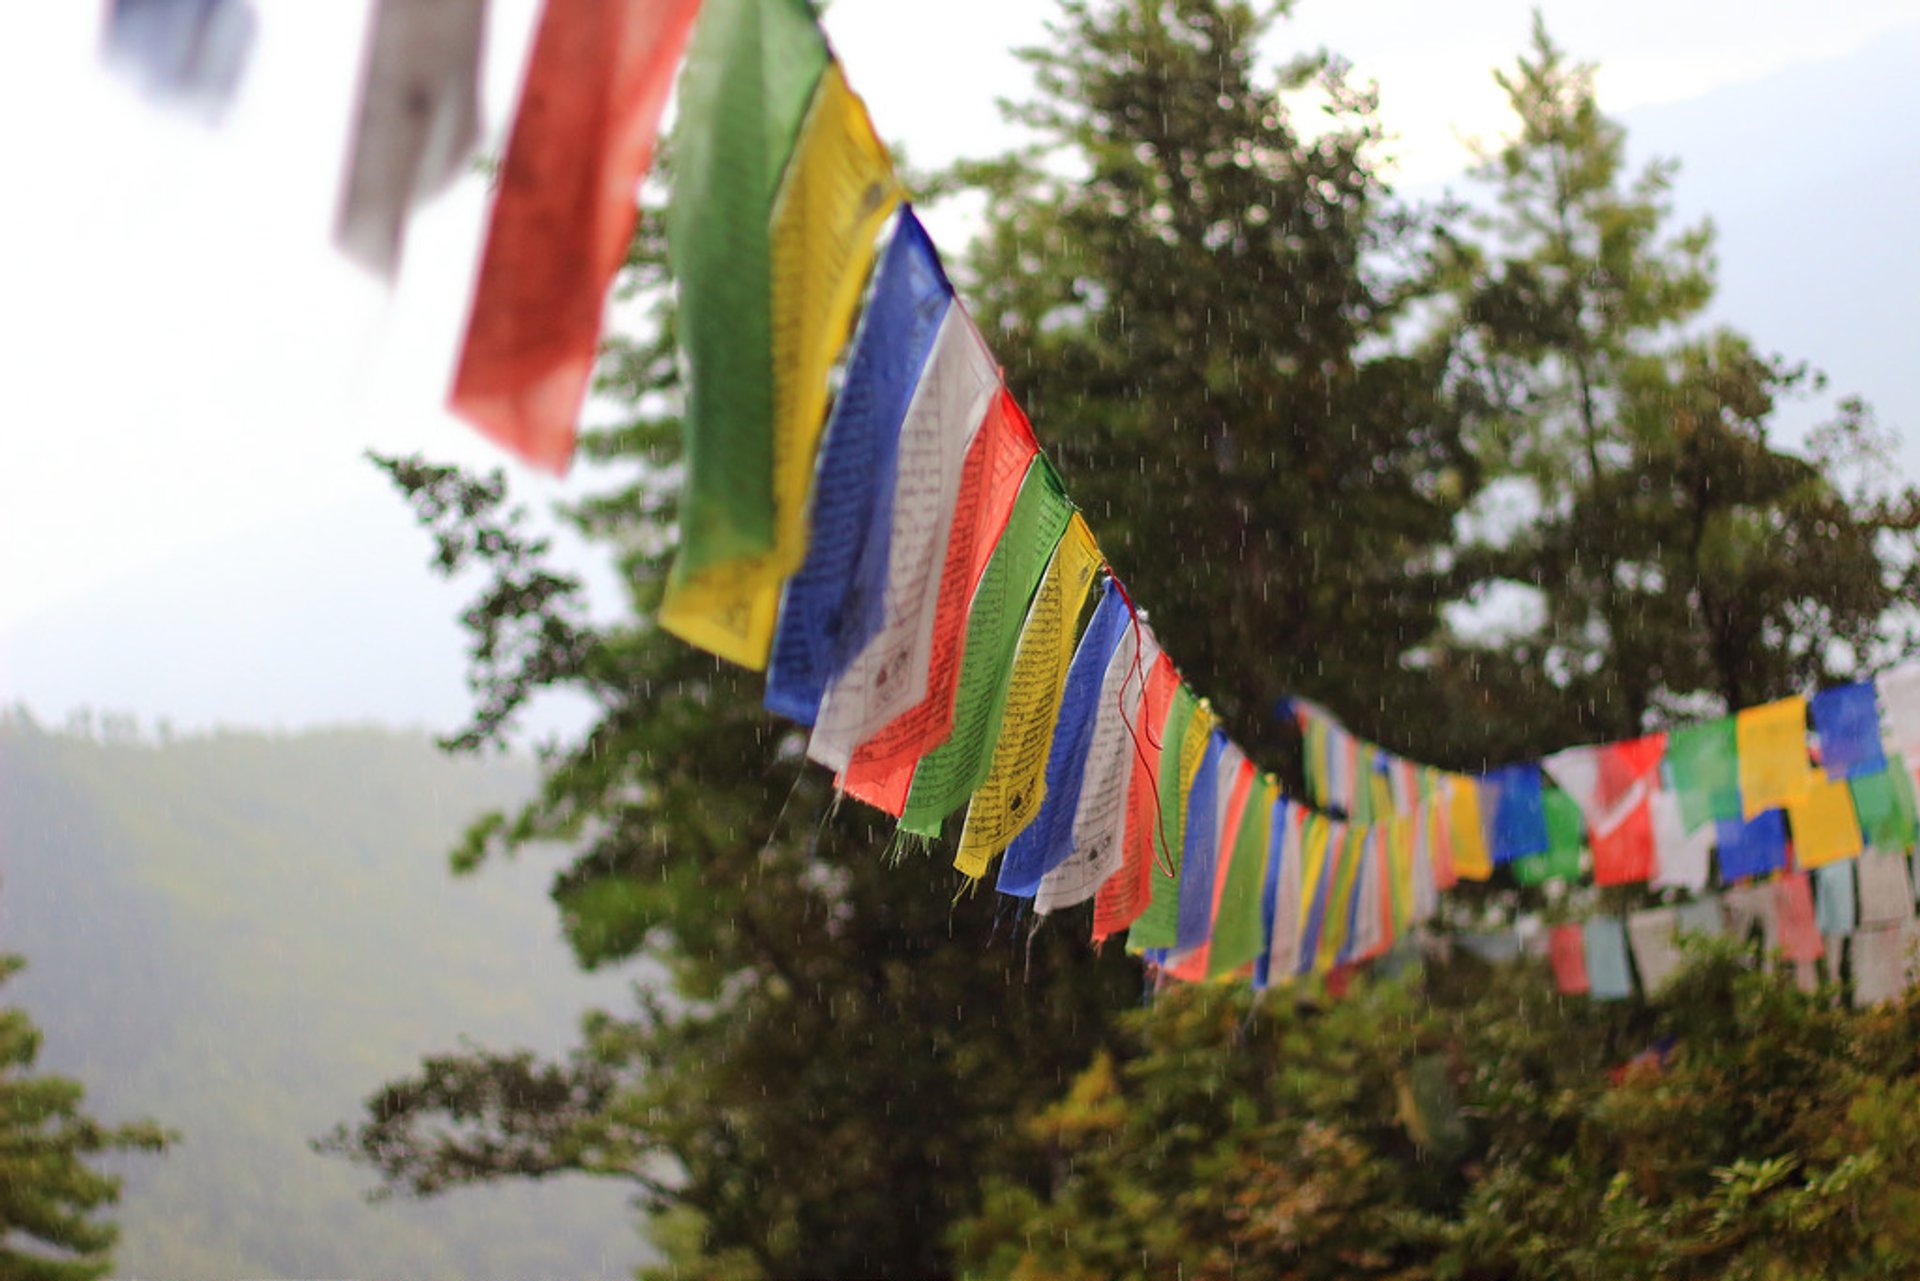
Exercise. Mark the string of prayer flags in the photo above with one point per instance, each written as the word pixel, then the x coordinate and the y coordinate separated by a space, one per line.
pixel 1200 913
pixel 1885 892
pixel 1751 847
pixel 1835 909
pixel 996 466
pixel 1899 694
pixel 890 702
pixel 951 772
pixel 1703 766
pixel 1097 822
pixel 1609 972
pixel 419 121
pixel 583 138
pixel 1799 932
pixel 1123 898
pixel 836 602
pixel 1608 780
pixel 833 193
pixel 1824 827
pixel 1682 858
pixel 1772 743
pixel 1200 850
pixel 1652 936
pixel 1884 805
pixel 1567 950
pixel 1184 737
pixel 1287 890
pixel 1560 861
pixel 1047 841
pixel 1846 720
pixel 1016 780
pixel 186 50
pixel 1319 848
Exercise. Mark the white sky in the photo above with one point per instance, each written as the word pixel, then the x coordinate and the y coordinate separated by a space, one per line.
pixel 187 359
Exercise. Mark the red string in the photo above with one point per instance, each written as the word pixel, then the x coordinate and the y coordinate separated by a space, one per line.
pixel 1164 863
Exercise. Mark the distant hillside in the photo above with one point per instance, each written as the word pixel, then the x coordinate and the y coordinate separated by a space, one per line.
pixel 241 936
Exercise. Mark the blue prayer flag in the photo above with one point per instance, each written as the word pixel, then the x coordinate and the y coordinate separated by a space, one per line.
pixel 1847 720
pixel 1752 847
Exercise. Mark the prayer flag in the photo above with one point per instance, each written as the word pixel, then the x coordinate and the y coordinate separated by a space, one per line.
pixel 1188 730
pixel 1561 859
pixel 1793 913
pixel 1520 820
pixel 1702 916
pixel 1704 763
pixel 1048 839
pixel 1609 780
pixel 1899 691
pixel 1772 741
pixel 953 771
pixel 916 677
pixel 1652 936
pixel 1472 861
pixel 1884 965
pixel 1884 804
pixel 1824 828
pixel 1748 907
pixel 418 121
pixel 182 49
pixel 1751 847
pixel 1885 892
pixel 1609 973
pixel 1320 849
pixel 568 193
pixel 1847 720
pixel 1567 949
pixel 837 191
pixel 1682 858
pixel 1286 852
pixel 1237 926
pixel 1200 850
pixel 1834 907
pixel 1095 825
pixel 1123 897
pixel 1623 855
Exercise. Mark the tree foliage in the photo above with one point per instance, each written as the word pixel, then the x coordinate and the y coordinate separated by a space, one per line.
pixel 50 1196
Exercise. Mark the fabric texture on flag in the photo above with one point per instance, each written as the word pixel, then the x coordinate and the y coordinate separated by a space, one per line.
pixel 1749 909
pixel 750 85
pixel 1567 951
pixel 1286 855
pixel 1652 935
pixel 1419 837
pixel 1884 806
pixel 1883 962
pixel 1846 721
pixel 1609 780
pixel 836 602
pixel 1016 782
pixel 948 442
pixel 1123 896
pixel 1682 858
pixel 1885 892
pixel 1703 762
pixel 184 50
pixel 1772 742
pixel 1238 937
pixel 1609 972
pixel 837 192
pixel 1835 909
pixel 1520 817
pixel 1096 825
pixel 1899 691
pixel 1188 729
pixel 1561 859
pixel 997 462
pixel 1624 854
pixel 1319 850
pixel 1751 847
pixel 1344 856
pixel 1233 782
pixel 1047 841
pixel 1824 827
pixel 951 772
pixel 1799 933
pixel 418 121
pixel 1466 834
pixel 563 214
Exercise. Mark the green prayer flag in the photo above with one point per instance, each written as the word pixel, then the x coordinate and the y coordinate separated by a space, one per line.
pixel 750 74
pixel 951 772
pixel 1159 925
pixel 1236 927
pixel 1885 804
pixel 1705 766
pixel 1566 831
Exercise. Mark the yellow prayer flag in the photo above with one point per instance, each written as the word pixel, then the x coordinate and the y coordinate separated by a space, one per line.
pixel 1314 836
pixel 1334 926
pixel 1400 854
pixel 1017 776
pixel 1825 829
pixel 1472 860
pixel 1772 743
pixel 838 190
pixel 1193 747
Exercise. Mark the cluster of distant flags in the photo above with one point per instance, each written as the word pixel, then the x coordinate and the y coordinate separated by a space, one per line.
pixel 906 566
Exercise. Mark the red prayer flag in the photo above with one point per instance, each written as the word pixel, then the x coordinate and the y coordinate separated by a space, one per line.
pixel 1799 929
pixel 1567 949
pixel 882 767
pixel 1624 856
pixel 583 139
pixel 1126 893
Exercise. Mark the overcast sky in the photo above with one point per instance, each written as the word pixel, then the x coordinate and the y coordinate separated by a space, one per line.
pixel 187 359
